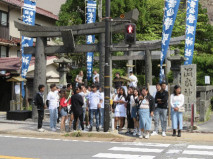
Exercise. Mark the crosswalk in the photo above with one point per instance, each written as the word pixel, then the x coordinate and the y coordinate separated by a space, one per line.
pixel 156 151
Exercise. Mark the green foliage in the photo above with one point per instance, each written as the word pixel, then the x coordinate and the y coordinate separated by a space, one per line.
pixel 204 68
pixel 141 80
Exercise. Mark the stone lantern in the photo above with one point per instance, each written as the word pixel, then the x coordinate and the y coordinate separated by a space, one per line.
pixel 176 62
pixel 63 69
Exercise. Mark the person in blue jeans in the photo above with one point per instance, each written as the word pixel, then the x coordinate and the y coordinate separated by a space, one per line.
pixel 177 101
pixel 94 103
pixel 161 99
pixel 53 103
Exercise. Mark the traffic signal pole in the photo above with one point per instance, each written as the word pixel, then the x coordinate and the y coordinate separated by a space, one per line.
pixel 107 68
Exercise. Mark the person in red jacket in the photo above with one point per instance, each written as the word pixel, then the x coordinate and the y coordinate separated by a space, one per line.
pixel 63 109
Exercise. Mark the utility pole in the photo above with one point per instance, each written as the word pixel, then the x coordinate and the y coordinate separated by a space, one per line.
pixel 107 68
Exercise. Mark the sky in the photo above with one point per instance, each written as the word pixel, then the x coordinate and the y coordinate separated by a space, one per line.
pixel 51 5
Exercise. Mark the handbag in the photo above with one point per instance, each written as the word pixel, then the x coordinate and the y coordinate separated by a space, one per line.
pixel 181 109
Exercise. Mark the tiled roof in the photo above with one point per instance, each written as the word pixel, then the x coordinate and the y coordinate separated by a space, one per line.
pixel 7 42
pixel 39 10
pixel 14 64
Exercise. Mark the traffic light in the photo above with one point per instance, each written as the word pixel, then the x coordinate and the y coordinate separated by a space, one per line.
pixel 130 33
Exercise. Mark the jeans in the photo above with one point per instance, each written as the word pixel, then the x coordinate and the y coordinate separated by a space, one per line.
pixel 91 113
pixel 162 115
pixel 101 110
pixel 145 119
pixel 53 117
pixel 40 118
pixel 177 120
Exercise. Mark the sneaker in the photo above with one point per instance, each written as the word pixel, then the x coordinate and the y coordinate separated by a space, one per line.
pixel 139 133
pixel 147 136
pixel 53 129
pixel 140 137
pixel 135 132
pixel 41 130
pixel 154 133
pixel 97 129
pixel 163 134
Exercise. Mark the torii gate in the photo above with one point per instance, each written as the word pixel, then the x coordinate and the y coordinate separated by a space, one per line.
pixel 41 50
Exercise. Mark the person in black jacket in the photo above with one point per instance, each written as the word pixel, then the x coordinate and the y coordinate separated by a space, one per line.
pixel 39 102
pixel 146 108
pixel 77 103
pixel 161 99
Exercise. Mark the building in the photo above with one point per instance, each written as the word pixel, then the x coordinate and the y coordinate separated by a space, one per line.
pixel 10 61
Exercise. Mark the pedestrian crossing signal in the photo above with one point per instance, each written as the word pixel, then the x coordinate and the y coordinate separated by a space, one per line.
pixel 130 33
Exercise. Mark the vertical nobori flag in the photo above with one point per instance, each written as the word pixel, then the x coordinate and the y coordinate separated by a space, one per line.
pixel 170 13
pixel 90 18
pixel 191 23
pixel 29 11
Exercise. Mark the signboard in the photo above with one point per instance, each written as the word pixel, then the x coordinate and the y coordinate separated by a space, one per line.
pixel 188 85
pixel 207 79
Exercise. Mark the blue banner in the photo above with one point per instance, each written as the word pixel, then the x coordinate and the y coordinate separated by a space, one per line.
pixel 170 13
pixel 90 39
pixel 29 11
pixel 191 23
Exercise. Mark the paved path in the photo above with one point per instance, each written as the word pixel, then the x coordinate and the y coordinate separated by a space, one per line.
pixel 29 147
pixel 207 126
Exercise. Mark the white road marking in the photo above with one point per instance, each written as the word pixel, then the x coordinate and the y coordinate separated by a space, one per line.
pixel 135 149
pixel 193 152
pixel 147 144
pixel 188 158
pixel 122 156
pixel 174 151
pixel 200 147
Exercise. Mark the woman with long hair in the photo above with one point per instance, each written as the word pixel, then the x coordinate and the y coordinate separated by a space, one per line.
pixel 134 101
pixel 120 109
pixel 146 112
pixel 177 101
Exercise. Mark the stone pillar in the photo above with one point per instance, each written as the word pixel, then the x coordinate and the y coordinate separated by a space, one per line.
pixel 101 58
pixel 148 67
pixel 40 69
pixel 130 62
pixel 111 75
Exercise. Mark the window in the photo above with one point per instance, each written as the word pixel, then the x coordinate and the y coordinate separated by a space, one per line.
pixel 3 18
pixel 3 51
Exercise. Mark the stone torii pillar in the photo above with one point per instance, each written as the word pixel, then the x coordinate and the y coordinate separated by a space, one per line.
pixel 40 70
pixel 148 67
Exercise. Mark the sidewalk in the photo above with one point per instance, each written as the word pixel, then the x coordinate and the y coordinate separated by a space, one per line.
pixel 29 129
pixel 207 127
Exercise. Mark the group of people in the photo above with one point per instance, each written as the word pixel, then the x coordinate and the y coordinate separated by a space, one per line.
pixel 131 105
pixel 140 108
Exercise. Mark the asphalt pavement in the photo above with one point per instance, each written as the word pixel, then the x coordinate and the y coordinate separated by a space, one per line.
pixel 29 147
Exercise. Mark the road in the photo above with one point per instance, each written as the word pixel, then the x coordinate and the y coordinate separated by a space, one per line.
pixel 13 147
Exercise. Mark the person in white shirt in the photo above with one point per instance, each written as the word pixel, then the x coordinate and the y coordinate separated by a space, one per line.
pixel 95 75
pixel 177 101
pixel 53 102
pixel 134 80
pixel 120 109
pixel 94 103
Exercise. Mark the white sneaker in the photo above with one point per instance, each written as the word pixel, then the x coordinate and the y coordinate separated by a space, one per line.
pixel 53 129
pixel 147 136
pixel 154 133
pixel 139 133
pixel 140 137
pixel 135 132
pixel 163 134
pixel 41 130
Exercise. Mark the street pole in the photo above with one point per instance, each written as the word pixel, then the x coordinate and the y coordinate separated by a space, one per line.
pixel 107 68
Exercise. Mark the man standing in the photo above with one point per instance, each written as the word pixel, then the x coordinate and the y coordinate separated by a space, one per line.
pixel 133 80
pixel 94 103
pixel 77 103
pixel 161 99
pixel 39 102
pixel 95 75
pixel 52 99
